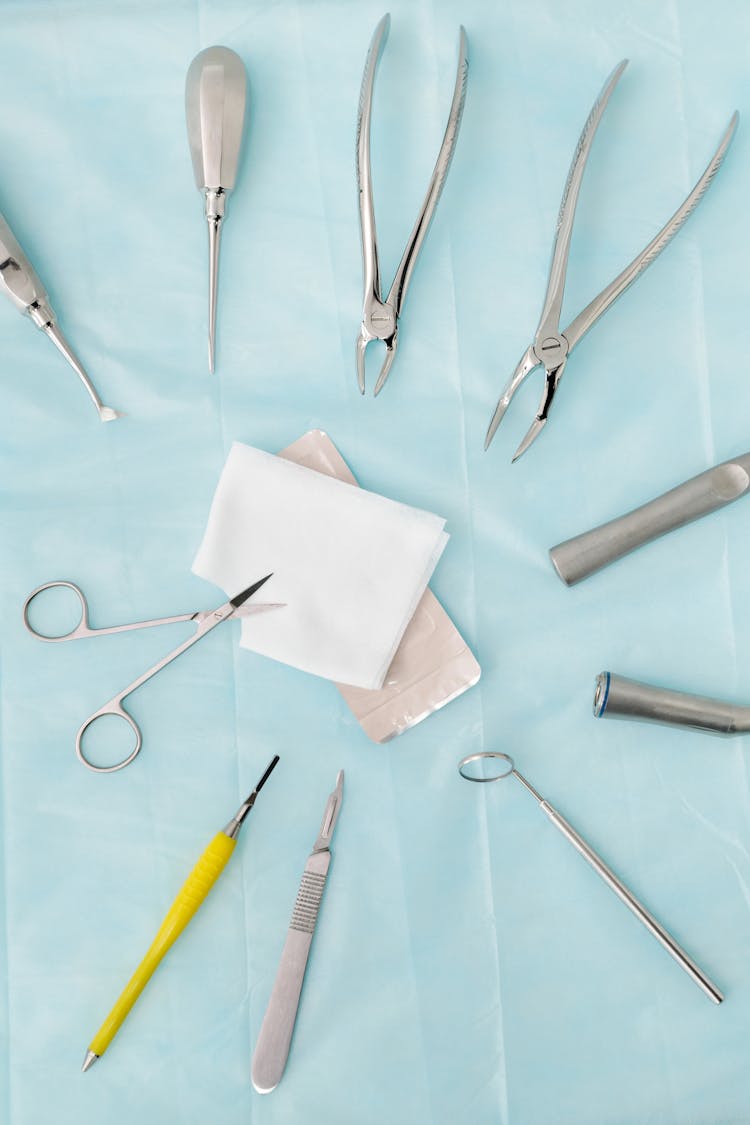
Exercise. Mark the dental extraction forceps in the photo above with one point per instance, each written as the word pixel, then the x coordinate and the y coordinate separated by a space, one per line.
pixel 380 318
pixel 20 283
pixel 205 621
pixel 551 347
pixel 600 867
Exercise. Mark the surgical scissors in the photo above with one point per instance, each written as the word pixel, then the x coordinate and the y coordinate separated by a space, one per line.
pixel 380 318
pixel 551 347
pixel 205 621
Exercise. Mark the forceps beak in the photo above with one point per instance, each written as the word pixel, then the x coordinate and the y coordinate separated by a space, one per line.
pixel 552 378
pixel 385 370
pixel 363 340
pixel 526 364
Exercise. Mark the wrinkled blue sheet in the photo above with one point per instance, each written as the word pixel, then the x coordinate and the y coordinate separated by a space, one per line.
pixel 467 966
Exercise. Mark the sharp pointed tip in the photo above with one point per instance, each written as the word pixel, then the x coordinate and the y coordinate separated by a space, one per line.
pixel 267 773
pixel 88 1061
pixel 492 429
pixel 383 376
pixel 360 347
pixel 240 599
pixel 532 434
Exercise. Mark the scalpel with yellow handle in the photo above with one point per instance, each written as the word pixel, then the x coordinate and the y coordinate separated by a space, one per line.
pixel 195 889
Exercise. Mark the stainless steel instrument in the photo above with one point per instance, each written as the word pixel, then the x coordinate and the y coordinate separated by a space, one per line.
pixel 551 347
pixel 205 621
pixel 272 1048
pixel 617 697
pixel 595 861
pixel 215 97
pixel 585 554
pixel 20 283
pixel 380 318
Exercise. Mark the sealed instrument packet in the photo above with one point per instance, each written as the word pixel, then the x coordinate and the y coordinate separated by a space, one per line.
pixel 433 664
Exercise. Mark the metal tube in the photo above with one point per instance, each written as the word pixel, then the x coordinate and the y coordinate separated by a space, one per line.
pixel 617 697
pixel 642 914
pixel 585 554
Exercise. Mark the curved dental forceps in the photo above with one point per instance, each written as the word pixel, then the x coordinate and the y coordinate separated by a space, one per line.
pixel 205 621
pixel 551 347
pixel 600 867
pixel 380 318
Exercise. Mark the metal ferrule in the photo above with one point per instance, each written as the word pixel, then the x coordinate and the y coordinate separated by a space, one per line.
pixel 215 204
pixel 617 697
pixel 41 313
pixel 232 829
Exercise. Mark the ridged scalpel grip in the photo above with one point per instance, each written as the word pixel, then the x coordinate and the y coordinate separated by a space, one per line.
pixel 272 1049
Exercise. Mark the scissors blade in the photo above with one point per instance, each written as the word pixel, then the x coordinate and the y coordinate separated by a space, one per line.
pixel 260 607
pixel 239 599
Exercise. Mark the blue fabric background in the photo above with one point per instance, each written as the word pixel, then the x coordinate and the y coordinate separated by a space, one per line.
pixel 467 967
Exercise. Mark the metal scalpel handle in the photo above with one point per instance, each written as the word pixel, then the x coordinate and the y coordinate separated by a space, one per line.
pixel 272 1049
pixel 617 697
pixel 584 555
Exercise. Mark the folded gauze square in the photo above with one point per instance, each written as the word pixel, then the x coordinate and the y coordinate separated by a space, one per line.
pixel 350 565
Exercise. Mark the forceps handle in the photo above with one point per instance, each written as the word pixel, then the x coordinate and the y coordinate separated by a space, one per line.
pixel 585 554
pixel 642 914
pixel 397 292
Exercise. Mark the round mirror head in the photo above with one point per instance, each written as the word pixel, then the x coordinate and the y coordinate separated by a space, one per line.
pixel 488 765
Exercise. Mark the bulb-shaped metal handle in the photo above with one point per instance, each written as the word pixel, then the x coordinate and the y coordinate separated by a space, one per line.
pixel 215 97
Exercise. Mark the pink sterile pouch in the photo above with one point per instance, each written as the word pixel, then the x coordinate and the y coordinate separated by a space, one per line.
pixel 433 664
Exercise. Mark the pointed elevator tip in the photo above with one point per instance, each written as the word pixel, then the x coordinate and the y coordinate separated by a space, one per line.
pixel 89 1060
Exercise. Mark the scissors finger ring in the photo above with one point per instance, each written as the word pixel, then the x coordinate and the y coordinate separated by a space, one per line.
pixel 114 707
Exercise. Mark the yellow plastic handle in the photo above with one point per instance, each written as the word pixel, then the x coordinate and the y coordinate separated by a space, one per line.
pixel 194 890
